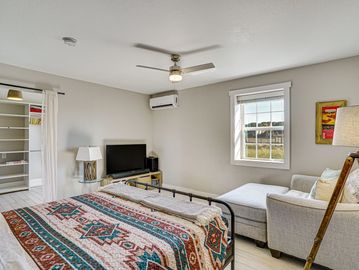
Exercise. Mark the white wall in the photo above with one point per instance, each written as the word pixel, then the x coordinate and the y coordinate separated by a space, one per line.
pixel 89 114
pixel 193 141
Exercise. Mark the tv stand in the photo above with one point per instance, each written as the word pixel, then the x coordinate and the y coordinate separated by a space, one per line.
pixel 152 178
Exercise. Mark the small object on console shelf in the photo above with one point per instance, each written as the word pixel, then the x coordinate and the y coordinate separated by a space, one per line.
pixel 152 164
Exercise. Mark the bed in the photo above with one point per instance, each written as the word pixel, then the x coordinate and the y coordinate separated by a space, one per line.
pixel 119 227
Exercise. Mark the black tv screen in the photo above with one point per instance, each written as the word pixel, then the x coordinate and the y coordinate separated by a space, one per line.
pixel 125 157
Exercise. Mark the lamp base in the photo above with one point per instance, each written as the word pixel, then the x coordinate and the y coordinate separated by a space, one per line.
pixel 90 170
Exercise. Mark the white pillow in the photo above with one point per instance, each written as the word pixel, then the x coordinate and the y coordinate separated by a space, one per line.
pixel 351 189
pixel 297 194
pixel 327 174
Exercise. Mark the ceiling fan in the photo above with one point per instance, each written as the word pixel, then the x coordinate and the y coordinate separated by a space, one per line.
pixel 175 71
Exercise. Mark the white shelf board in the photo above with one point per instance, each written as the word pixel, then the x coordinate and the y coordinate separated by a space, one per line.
pixel 13 140
pixel 14 128
pixel 9 176
pixel 14 115
pixel 13 102
pixel 17 164
pixel 13 189
pixel 14 152
pixel 35 104
pixel 19 102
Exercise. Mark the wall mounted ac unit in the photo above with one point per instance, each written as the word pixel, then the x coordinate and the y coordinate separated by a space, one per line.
pixel 164 100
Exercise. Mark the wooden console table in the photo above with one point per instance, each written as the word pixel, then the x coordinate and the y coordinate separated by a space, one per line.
pixel 145 178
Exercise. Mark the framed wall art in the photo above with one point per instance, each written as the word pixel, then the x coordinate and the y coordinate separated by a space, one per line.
pixel 325 120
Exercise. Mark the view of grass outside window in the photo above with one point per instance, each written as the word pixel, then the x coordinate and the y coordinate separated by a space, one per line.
pixel 262 132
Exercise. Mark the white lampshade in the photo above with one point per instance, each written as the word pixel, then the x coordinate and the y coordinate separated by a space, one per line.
pixel 346 130
pixel 89 153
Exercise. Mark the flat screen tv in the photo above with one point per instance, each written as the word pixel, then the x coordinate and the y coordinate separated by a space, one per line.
pixel 125 157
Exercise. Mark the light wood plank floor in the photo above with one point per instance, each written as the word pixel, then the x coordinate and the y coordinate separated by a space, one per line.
pixel 248 256
pixel 20 199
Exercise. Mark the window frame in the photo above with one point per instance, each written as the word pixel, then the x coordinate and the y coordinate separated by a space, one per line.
pixel 285 87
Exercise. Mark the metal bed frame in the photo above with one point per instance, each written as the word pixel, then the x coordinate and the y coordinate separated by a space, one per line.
pixel 230 256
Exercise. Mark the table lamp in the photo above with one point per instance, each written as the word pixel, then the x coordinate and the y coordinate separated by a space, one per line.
pixel 89 155
pixel 346 133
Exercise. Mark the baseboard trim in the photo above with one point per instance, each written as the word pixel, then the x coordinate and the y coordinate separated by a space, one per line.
pixel 36 182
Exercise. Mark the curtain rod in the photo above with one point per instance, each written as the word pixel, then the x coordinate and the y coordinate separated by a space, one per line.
pixel 28 88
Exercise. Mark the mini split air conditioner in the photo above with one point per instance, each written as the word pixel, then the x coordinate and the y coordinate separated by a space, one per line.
pixel 165 100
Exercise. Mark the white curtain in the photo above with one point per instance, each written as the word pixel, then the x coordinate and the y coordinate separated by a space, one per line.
pixel 49 145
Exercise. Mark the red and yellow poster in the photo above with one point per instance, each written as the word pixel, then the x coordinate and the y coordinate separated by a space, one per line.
pixel 328 121
pixel 326 114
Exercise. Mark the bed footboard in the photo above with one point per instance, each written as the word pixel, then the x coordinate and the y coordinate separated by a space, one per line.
pixel 230 256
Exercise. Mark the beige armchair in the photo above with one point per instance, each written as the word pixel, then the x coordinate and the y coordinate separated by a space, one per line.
pixel 292 224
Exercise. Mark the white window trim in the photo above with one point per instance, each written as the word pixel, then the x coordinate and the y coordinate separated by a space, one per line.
pixel 285 86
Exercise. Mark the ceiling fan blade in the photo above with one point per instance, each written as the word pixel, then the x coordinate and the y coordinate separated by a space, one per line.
pixel 207 48
pixel 160 50
pixel 161 69
pixel 198 68
pixel 153 48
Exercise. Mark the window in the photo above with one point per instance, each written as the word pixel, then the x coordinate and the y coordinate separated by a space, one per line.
pixel 260 118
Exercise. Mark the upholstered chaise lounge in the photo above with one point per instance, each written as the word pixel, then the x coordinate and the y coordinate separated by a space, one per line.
pixel 249 205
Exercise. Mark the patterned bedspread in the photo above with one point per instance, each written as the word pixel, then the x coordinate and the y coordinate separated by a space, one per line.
pixel 100 231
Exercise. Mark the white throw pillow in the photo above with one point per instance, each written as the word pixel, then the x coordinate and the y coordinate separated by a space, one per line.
pixel 327 174
pixel 313 190
pixel 297 194
pixel 351 189
pixel 330 174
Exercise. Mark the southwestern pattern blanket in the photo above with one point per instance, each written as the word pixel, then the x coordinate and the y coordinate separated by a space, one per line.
pixel 101 231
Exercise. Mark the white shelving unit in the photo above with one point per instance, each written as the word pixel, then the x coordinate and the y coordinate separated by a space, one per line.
pixel 13 140
pixel 13 115
pixel 35 171
pixel 17 150
pixel 13 152
pixel 15 164
pixel 14 128
pixel 13 189
pixel 10 176
pixel 14 146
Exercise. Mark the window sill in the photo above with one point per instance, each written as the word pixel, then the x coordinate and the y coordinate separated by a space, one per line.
pixel 262 164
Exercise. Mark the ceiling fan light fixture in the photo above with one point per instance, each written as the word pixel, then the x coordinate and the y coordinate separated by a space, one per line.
pixel 176 72
pixel 175 76
pixel 14 95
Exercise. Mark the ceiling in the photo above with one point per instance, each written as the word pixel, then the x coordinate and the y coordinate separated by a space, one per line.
pixel 254 37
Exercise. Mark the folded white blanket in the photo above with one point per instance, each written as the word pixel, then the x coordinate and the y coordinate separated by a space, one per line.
pixel 127 192
pixel 195 212
pixel 202 214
